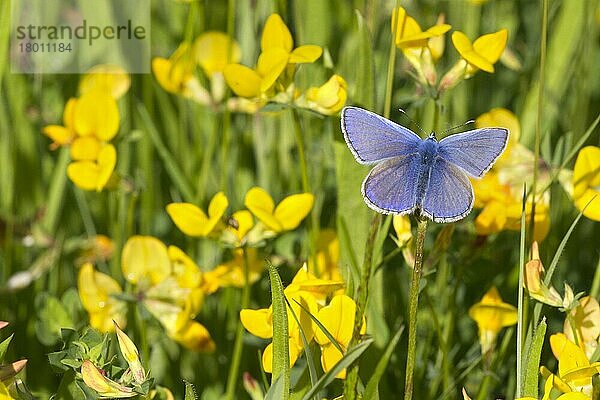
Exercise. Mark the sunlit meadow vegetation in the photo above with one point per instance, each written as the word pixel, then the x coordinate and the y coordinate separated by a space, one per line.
pixel 200 231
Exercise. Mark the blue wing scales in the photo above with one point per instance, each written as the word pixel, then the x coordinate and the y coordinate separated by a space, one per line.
pixel 474 151
pixel 391 186
pixel 449 196
pixel 372 138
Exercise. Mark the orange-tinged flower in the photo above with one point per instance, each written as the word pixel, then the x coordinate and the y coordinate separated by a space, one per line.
pixel 484 52
pixel 131 355
pixel 534 271
pixel 286 216
pixel 231 273
pixel 586 182
pixel 192 221
pixel 105 387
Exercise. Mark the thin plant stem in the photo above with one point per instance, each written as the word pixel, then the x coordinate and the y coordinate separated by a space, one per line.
pixel 301 152
pixel 413 299
pixel 520 316
pixel 234 369
pixel 226 138
pixel 540 111
pixel 362 295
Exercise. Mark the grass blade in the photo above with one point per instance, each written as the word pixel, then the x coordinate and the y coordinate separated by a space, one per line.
pixel 281 352
pixel 534 352
pixel 350 356
pixel 371 389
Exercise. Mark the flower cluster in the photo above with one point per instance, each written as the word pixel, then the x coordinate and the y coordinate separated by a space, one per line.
pixel 90 122
pixel 423 49
pixel 271 80
pixel 166 281
pixel 308 294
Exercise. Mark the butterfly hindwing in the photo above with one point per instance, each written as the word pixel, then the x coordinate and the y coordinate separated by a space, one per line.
pixel 372 138
pixel 474 151
pixel 449 195
pixel 391 186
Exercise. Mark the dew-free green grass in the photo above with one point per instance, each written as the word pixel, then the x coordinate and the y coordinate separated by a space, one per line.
pixel 199 232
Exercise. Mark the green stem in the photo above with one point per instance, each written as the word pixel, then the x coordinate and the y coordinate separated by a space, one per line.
pixel 301 153
pixel 540 111
pixel 234 369
pixel 520 315
pixel 362 295
pixel 57 189
pixel 413 298
pixel 595 290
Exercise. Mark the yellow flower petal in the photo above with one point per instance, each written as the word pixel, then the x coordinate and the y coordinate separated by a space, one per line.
pixel 258 322
pixel 96 113
pixel 402 228
pixel 484 52
pixel 261 204
pixel 145 260
pixel 85 148
pixel 276 35
pixel 107 388
pixel 218 205
pixel 330 356
pixel 69 114
pixel 293 209
pixel 106 78
pixel 491 313
pixel 244 221
pixel 131 355
pixel 95 290
pixel 190 219
pixel 409 33
pixel 194 336
pixel 185 270
pixel 214 50
pixel 244 81
pixel 271 63
pixel 89 175
pixel 586 181
pixel 161 68
pixel 338 318
pixel 267 358
pixel 231 273
pixel 570 356
pixel 308 53
pixel 59 134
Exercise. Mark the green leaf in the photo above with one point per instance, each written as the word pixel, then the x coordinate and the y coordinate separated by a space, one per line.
pixel 68 389
pixel 190 391
pixel 4 346
pixel 365 68
pixel 353 216
pixel 281 352
pixel 348 358
pixel 276 390
pixel 51 317
pixel 371 389
pixel 532 366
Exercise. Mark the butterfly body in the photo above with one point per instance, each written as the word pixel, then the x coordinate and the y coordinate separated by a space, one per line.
pixel 411 174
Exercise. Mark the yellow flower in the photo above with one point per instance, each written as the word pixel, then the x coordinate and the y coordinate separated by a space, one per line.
pixel 327 256
pixel 575 371
pixel 415 44
pixel 327 99
pixel 176 75
pixel 586 181
pixel 277 52
pixel 106 78
pixel 231 273
pixel 402 228
pixel 409 33
pixel 214 50
pixel 192 221
pixel 499 192
pixel 105 387
pixel 62 135
pixel 238 226
pixel 319 288
pixel 286 216
pixel 338 319
pixel 96 291
pixel 491 315
pixel 483 53
pixel 97 248
pixel 131 355
pixel 94 175
pixel 586 320
pixel 171 285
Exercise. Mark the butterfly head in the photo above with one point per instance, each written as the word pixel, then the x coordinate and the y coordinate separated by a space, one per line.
pixel 432 137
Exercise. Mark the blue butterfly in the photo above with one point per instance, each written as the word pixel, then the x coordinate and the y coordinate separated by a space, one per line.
pixel 419 175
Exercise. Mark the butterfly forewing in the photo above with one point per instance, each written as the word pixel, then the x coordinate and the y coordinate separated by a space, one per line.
pixel 372 138
pixel 391 187
pixel 449 195
pixel 474 151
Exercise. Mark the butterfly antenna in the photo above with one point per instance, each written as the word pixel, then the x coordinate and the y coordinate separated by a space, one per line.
pixel 471 121
pixel 413 121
